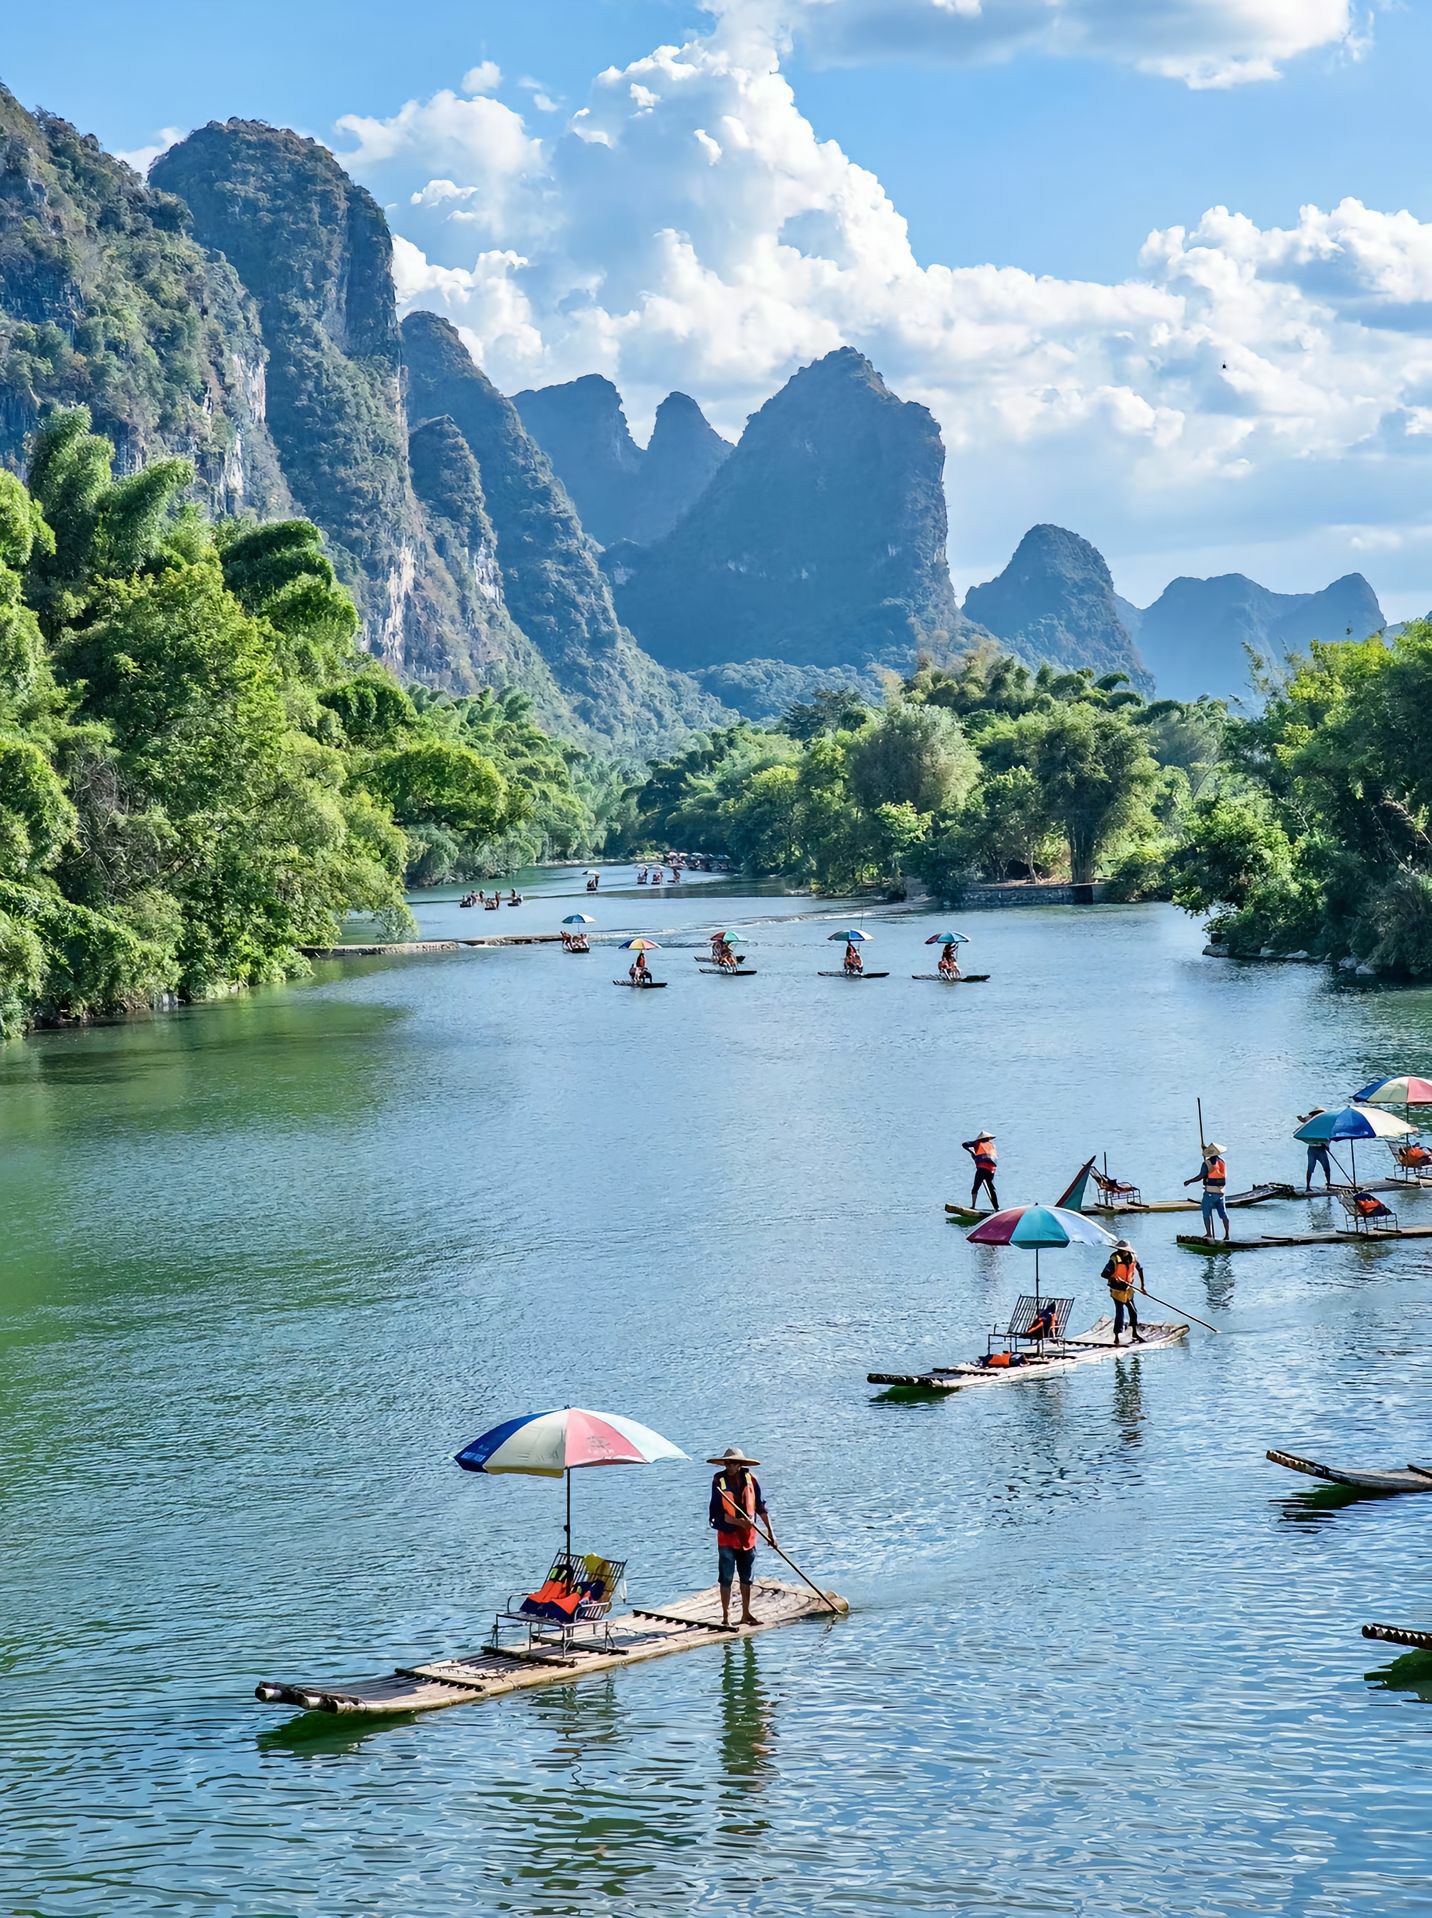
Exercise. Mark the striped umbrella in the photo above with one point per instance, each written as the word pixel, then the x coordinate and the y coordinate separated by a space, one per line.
pixel 556 1444
pixel 1036 1227
pixel 948 939
pixel 1352 1123
pixel 1405 1090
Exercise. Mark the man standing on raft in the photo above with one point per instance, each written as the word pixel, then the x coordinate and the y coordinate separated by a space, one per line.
pixel 982 1150
pixel 1213 1174
pixel 736 1503
pixel 1119 1274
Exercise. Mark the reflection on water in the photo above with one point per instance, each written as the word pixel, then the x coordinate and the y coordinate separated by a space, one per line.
pixel 270 1263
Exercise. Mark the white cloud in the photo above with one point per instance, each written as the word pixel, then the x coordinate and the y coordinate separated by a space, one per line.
pixel 485 77
pixel 1204 43
pixel 1244 398
pixel 142 158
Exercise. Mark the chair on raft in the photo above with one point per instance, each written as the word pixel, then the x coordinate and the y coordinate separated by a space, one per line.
pixel 1411 1162
pixel 1366 1212
pixel 1115 1192
pixel 1038 1322
pixel 574 1601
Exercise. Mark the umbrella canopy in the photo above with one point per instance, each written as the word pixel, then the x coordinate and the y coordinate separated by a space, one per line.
pixel 857 937
pixel 579 919
pixel 640 945
pixel 1405 1090
pixel 1352 1122
pixel 948 939
pixel 556 1444
pixel 1040 1225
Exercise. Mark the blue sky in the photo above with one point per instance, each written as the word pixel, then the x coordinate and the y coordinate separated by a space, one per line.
pixel 1247 397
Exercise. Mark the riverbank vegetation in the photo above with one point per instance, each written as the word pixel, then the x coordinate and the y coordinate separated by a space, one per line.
pixel 200 770
pixel 1320 840
pixel 988 771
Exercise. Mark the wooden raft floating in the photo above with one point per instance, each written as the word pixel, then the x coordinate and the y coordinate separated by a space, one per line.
pixel 1416 1478
pixel 1195 1241
pixel 642 1634
pixel 1096 1343
pixel 1400 1635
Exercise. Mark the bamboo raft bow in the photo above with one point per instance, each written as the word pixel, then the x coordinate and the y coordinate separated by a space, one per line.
pixel 1400 1635
pixel 1416 1478
pixel 642 1634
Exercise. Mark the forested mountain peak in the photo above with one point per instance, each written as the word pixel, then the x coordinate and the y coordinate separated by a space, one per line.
pixel 819 541
pixel 621 490
pixel 554 587
pixel 107 301
pixel 1055 601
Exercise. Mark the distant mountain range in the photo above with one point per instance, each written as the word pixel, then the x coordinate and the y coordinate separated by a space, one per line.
pixel 239 309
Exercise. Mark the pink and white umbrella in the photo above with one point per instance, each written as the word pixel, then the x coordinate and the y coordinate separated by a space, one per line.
pixel 556 1444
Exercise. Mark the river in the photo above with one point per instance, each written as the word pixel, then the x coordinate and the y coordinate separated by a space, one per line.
pixel 269 1263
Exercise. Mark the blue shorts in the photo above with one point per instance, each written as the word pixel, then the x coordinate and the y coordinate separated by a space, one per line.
pixel 730 1560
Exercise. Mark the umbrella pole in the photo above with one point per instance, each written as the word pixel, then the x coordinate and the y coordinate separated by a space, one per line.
pixel 567 1475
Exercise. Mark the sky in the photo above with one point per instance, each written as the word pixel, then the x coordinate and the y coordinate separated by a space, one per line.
pixel 1162 269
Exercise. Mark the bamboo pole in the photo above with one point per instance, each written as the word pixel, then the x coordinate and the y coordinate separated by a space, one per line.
pixel 830 1599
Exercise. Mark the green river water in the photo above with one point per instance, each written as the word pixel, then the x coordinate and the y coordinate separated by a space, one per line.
pixel 269 1263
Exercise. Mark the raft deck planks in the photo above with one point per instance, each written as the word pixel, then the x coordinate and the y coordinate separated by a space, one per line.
pixel 1195 1241
pixel 1096 1343
pixel 640 1635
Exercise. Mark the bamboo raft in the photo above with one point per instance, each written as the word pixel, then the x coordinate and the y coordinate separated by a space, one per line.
pixel 1096 1343
pixel 1255 1195
pixel 1195 1241
pixel 1400 1635
pixel 1416 1478
pixel 468 1677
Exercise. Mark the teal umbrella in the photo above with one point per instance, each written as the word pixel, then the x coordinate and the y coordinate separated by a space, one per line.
pixel 857 937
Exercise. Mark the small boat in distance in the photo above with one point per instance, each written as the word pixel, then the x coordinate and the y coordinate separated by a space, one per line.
pixel 1026 1355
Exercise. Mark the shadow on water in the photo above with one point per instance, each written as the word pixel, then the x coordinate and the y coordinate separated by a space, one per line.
pixel 328 1734
pixel 1316 1507
pixel 1410 1673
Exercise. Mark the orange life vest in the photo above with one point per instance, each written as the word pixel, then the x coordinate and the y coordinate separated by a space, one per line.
pixel 556 1592
pixel 986 1158
pixel 1121 1279
pixel 731 1532
pixel 1215 1175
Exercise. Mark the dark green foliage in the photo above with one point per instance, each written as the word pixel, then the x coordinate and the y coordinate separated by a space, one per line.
pixel 1325 844
pixel 199 772
pixel 985 771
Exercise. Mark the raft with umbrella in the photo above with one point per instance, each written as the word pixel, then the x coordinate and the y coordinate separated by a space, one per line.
pixel 854 937
pixel 645 983
pixel 1034 1341
pixel 947 940
pixel 554 1445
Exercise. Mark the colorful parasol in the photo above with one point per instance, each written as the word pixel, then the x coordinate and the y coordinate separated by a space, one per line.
pixel 1404 1090
pixel 948 939
pixel 1038 1228
pixel 1352 1123
pixel 579 919
pixel 857 937
pixel 556 1444
pixel 640 945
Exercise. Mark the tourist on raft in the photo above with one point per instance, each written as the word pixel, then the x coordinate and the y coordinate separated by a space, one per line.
pixel 950 962
pixel 982 1150
pixel 1213 1174
pixel 637 971
pixel 853 961
pixel 736 1503
pixel 1122 1269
